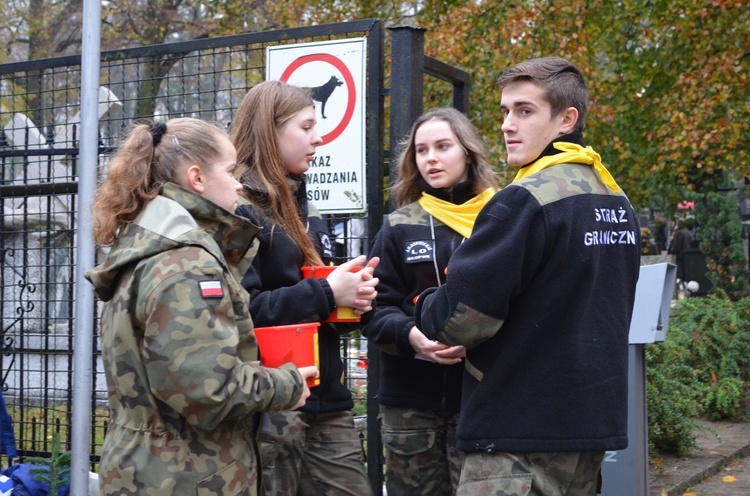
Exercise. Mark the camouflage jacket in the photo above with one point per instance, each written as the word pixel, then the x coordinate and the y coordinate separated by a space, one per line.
pixel 180 355
pixel 541 295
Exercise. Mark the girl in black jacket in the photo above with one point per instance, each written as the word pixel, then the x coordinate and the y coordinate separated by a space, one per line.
pixel 444 182
pixel 315 450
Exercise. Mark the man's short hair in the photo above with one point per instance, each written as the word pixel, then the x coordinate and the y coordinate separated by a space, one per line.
pixel 561 81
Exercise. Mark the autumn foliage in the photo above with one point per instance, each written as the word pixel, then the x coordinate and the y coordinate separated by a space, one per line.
pixel 670 103
pixel 668 81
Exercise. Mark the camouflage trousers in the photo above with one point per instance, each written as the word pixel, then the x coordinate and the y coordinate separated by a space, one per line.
pixel 420 452
pixel 310 454
pixel 530 474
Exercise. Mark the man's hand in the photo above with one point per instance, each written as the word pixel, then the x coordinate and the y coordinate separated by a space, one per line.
pixel 433 351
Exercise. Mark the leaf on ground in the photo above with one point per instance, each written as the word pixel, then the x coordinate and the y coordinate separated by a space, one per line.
pixel 663 493
pixel 728 479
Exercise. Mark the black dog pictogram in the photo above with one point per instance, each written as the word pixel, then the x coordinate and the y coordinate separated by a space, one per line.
pixel 323 93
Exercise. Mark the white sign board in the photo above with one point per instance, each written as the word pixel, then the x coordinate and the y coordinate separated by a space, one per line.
pixel 335 72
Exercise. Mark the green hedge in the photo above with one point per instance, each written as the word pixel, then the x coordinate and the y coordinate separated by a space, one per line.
pixel 701 369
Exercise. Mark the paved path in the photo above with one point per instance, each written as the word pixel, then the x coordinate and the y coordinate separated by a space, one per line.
pixel 734 479
pixel 724 452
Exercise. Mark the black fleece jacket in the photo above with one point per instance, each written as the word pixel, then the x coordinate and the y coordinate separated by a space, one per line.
pixel 541 295
pixel 279 295
pixel 410 262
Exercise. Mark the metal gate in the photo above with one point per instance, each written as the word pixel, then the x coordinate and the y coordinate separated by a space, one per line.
pixel 39 120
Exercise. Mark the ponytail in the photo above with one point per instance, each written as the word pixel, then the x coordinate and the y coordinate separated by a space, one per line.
pixel 146 159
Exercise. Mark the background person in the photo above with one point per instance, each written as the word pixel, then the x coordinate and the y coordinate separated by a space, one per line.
pixel 179 353
pixel 648 245
pixel 444 181
pixel 682 240
pixel 660 233
pixel 541 296
pixel 317 449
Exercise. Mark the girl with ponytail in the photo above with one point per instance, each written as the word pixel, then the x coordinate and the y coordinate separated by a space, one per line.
pixel 185 387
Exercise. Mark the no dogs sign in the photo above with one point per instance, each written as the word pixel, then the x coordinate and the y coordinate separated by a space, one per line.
pixel 334 72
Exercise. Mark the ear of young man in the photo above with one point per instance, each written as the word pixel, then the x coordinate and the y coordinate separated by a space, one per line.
pixel 569 120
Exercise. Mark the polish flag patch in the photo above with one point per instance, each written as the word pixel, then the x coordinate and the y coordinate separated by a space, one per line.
pixel 211 289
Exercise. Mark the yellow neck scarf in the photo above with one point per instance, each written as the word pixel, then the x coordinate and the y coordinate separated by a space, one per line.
pixel 460 218
pixel 572 153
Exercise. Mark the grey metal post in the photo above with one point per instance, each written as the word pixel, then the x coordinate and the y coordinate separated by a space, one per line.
pixel 626 471
pixel 85 250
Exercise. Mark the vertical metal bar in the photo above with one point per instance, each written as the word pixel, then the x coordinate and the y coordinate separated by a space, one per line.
pixel 375 460
pixel 375 154
pixel 407 75
pixel 85 252
pixel 406 105
pixel 374 131
pixel 461 94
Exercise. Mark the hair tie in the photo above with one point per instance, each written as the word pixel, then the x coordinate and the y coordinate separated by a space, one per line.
pixel 157 131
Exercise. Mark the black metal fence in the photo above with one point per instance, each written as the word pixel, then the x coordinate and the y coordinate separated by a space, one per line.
pixel 38 192
pixel 39 126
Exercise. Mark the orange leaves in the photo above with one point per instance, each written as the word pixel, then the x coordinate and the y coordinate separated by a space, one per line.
pixel 661 94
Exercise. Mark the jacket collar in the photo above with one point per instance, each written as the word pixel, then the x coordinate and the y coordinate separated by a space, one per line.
pixel 460 193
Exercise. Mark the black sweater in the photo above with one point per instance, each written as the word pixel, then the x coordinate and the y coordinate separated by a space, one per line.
pixel 408 254
pixel 541 295
pixel 279 295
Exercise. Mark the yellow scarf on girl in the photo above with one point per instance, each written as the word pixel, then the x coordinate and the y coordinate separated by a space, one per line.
pixel 461 217
pixel 575 154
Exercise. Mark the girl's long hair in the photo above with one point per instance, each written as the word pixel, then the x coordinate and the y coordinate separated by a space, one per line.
pixel 408 187
pixel 263 111
pixel 145 160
